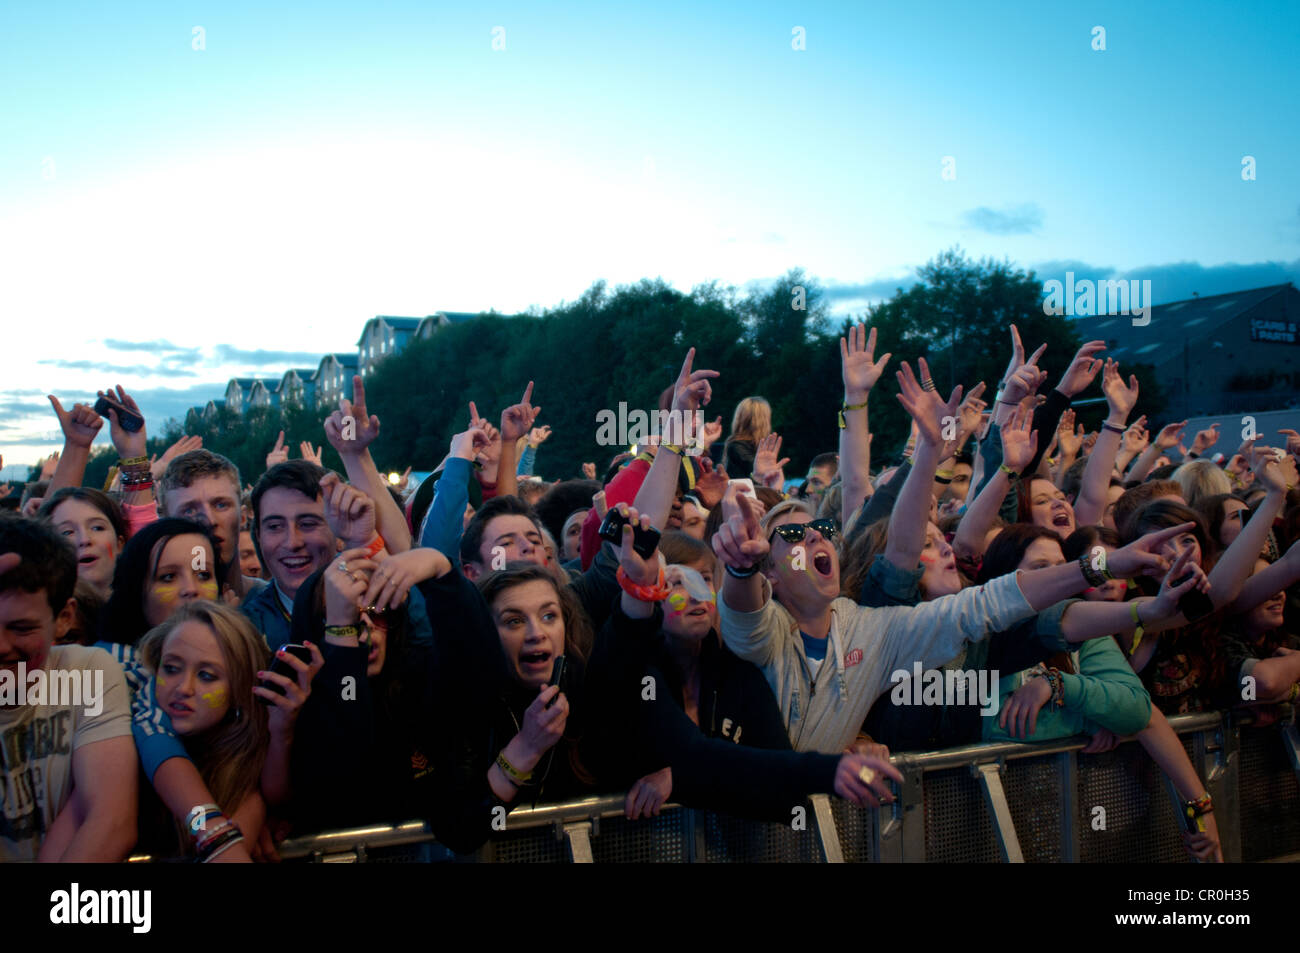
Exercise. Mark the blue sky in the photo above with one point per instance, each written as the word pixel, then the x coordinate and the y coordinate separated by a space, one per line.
pixel 317 164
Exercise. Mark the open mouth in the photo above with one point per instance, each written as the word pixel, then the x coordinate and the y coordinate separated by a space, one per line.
pixel 699 611
pixel 822 563
pixel 296 563
pixel 176 708
pixel 87 560
pixel 535 661
pixel 1061 519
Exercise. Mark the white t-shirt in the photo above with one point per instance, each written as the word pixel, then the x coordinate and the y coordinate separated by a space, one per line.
pixel 37 742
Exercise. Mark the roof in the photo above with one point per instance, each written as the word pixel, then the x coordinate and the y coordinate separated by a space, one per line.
pixel 303 372
pixel 455 317
pixel 346 360
pixel 1172 325
pixel 243 382
pixel 397 324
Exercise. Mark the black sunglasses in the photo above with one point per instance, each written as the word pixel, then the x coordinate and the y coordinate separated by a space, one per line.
pixel 794 532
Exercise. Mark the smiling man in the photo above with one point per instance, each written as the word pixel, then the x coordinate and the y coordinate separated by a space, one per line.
pixel 68 764
pixel 294 539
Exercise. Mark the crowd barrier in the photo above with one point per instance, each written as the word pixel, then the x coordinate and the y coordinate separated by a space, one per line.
pixel 981 803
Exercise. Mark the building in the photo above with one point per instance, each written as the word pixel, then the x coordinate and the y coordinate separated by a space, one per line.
pixel 334 378
pixel 264 393
pixel 237 392
pixel 1236 353
pixel 297 388
pixel 441 319
pixel 383 336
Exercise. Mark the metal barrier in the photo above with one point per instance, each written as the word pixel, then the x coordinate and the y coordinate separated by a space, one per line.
pixel 981 803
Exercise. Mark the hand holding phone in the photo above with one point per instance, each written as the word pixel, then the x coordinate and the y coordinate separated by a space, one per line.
pixel 557 677
pixel 644 541
pixel 281 667
pixel 130 420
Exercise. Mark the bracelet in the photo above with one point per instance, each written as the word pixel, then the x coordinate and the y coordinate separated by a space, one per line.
pixel 513 774
pixel 1295 693
pixel 1137 622
pixel 1058 687
pixel 198 818
pixel 847 406
pixel 942 480
pixel 1112 429
pixel 217 853
pixel 1093 577
pixel 216 850
pixel 656 593
pixel 1008 471
pixel 735 573
pixel 207 839
pixel 138 486
pixel 374 547
pixel 133 461
pixel 1201 805
pixel 673 448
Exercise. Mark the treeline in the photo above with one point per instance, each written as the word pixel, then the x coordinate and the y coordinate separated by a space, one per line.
pixel 627 345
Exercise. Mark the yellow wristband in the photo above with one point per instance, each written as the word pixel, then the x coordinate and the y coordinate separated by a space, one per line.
pixel 1137 632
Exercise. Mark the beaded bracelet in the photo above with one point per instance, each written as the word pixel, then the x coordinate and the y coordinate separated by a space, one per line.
pixel 1058 687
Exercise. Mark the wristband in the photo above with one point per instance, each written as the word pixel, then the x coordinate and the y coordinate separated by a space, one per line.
pixel 513 774
pixel 848 406
pixel 1058 687
pixel 943 480
pixel 1137 621
pixel 345 632
pixel 656 593
pixel 133 461
pixel 198 818
pixel 1201 805
pixel 1113 429
pixel 740 573
pixel 375 546
pixel 673 448
pixel 1294 694
pixel 1008 471
pixel 1093 577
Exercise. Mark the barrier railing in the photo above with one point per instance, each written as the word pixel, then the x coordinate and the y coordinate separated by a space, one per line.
pixel 989 802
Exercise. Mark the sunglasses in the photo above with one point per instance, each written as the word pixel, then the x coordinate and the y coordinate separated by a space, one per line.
pixel 794 532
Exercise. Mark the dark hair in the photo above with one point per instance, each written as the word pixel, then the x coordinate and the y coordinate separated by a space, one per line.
pixel 766 495
pixel 1009 547
pixel 561 501
pixel 577 629
pixel 1162 514
pixel 472 538
pixel 301 475
pixel 1073 479
pixel 193 465
pixel 1212 510
pixel 831 460
pixel 1137 497
pixel 681 548
pixel 99 500
pixel 1163 473
pixel 48 562
pixel 1084 538
pixel 1025 497
pixel 122 620
pixel 85 625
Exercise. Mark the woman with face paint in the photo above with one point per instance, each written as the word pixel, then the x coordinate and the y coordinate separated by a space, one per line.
pixel 167 565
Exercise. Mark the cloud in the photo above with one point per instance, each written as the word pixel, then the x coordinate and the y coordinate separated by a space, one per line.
pixel 166 349
pixel 133 370
pixel 838 291
pixel 1177 281
pixel 1013 220
pixel 260 358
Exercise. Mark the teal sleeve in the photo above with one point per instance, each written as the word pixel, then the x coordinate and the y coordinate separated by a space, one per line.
pixel 1107 692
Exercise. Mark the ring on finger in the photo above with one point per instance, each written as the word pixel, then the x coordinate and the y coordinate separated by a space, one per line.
pixel 343 566
pixel 866 775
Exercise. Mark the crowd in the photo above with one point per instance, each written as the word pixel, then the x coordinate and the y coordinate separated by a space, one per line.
pixel 318 650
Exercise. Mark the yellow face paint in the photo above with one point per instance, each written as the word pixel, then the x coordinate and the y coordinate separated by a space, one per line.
pixel 215 698
pixel 208 590
pixel 166 594
pixel 159 679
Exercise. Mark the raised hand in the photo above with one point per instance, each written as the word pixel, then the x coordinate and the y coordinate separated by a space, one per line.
pixel 390 583
pixel 1082 370
pixel 641 570
pixel 517 419
pixel 492 452
pixel 1071 441
pixel 279 453
pixel 404 481
pixel 857 365
pixel 711 433
pixel 739 542
pixel 1170 435
pixel 1165 605
pixel 348 511
pixel 1018 361
pixel 183 445
pixel 351 428
pixel 927 408
pixel 1142 556
pixel 538 436
pixel 346 580
pixel 767 468
pixel 310 453
pixel 1206 439
pixel 1136 438
pixel 1121 398
pixel 1292 441
pixel 1019 440
pixel 80 427
pixel 691 391
pixel 971 413
pixel 128 445
pixel 589 471
pixel 51 463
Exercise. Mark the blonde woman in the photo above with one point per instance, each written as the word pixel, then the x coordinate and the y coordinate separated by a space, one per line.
pixel 751 422
pixel 1200 479
pixel 205 659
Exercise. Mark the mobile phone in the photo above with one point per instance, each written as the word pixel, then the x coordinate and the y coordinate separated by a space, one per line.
pixel 1193 604
pixel 281 667
pixel 745 486
pixel 557 676
pixel 130 420
pixel 644 541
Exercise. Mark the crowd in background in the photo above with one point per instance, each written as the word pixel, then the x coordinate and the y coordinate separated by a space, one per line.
pixel 301 650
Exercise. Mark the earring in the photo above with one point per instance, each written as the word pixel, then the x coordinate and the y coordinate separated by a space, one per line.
pixel 239 713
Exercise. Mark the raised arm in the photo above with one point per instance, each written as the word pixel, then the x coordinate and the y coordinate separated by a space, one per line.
pixel 1019 444
pixel 1237 563
pixel 350 430
pixel 860 373
pixel 1167 438
pixel 516 422
pixel 911 513
pixel 80 426
pixel 1090 507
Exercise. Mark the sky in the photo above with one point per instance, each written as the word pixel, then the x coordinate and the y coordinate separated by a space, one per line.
pixel 195 191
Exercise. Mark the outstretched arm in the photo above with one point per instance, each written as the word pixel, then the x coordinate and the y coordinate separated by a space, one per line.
pixel 860 373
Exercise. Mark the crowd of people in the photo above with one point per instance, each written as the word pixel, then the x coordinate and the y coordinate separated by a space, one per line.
pixel 317 650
